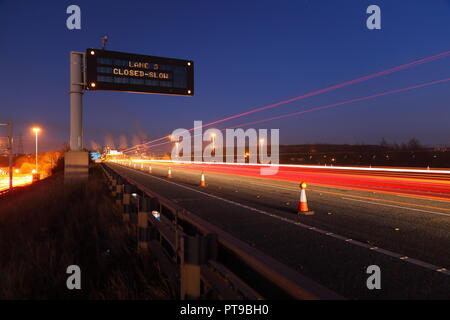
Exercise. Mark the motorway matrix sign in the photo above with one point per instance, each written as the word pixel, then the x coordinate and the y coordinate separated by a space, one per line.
pixel 119 71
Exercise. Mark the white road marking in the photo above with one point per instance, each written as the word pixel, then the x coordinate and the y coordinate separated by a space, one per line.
pixel 294 188
pixel 393 254
pixel 383 169
pixel 394 206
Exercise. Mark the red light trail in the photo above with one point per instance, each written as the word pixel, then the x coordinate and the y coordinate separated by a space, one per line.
pixel 428 184
pixel 345 102
pixel 332 105
pixel 334 87
pixel 405 184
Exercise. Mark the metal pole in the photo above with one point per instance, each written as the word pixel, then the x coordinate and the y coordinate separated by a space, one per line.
pixel 36 151
pixel 76 106
pixel 10 156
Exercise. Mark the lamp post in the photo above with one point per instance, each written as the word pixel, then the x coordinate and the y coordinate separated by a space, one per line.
pixel 36 131
pixel 10 151
pixel 213 137
pixel 261 144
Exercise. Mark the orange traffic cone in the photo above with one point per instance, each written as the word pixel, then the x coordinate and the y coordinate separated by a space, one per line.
pixel 149 169
pixel 303 204
pixel 142 166
pixel 169 173
pixel 202 180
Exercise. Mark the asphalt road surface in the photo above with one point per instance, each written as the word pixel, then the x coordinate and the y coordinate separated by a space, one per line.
pixel 407 236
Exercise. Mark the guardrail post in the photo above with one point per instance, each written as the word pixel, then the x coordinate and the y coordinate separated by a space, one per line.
pixel 126 202
pixel 190 268
pixel 134 209
pixel 195 252
pixel 105 171
pixel 113 187
pixel 110 178
pixel 119 193
pixel 142 232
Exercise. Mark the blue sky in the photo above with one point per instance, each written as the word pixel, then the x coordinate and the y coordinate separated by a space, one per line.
pixel 247 54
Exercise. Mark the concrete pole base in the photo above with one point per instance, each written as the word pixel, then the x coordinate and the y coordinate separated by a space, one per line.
pixel 76 167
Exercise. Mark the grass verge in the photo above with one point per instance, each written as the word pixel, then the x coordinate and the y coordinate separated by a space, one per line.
pixel 52 226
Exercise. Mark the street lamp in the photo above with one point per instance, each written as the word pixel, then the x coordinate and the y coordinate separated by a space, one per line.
pixel 10 149
pixel 213 137
pixel 36 131
pixel 261 143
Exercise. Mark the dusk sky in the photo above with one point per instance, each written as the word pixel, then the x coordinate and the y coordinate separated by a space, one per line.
pixel 247 54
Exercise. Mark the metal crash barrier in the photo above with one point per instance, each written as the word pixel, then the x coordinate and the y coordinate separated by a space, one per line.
pixel 200 260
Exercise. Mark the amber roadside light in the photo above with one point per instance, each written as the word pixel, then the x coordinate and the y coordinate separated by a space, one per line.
pixel 303 185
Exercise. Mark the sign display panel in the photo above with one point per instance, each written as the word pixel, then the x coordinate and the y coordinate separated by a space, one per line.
pixel 95 155
pixel 119 71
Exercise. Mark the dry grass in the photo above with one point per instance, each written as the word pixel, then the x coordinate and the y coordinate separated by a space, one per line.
pixel 51 226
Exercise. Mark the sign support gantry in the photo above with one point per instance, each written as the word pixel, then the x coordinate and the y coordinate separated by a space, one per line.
pixel 76 161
